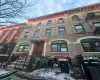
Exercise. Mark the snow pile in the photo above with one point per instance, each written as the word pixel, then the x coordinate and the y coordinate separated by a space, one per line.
pixel 56 77
pixel 2 71
pixel 48 74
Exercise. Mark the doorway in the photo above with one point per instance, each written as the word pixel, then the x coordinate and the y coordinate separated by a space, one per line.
pixel 38 48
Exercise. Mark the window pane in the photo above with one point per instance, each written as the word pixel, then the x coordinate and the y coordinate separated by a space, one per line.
pixel 79 28
pixel 86 47
pixel 75 17
pixel 63 45
pixel 49 22
pixel 61 20
pixel 48 32
pixel 61 33
pixel 26 48
pixel 54 47
pixel 90 40
pixel 55 42
pixel 91 45
pixel 26 34
pixel 37 34
pixel 61 41
pixel 97 24
pixel 21 48
pixel 59 48
pixel 62 30
pixel 98 49
pixel 97 46
pixel 63 49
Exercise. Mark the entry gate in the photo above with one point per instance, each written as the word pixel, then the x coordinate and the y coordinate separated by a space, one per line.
pixel 95 73
pixel 91 66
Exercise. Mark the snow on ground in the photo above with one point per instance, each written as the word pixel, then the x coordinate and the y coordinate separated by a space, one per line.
pixel 2 71
pixel 53 74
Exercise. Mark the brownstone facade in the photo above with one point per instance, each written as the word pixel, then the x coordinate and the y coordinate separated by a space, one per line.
pixel 66 33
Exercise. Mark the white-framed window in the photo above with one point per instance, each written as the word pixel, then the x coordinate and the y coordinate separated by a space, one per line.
pixel 23 47
pixel 75 18
pixel 79 28
pixel 49 22
pixel 61 30
pixel 37 33
pixel 59 46
pixel 48 32
pixel 61 20
pixel 91 45
pixel 97 24
pixel 26 34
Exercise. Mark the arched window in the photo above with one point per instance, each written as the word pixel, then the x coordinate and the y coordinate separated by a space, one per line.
pixel 75 18
pixel 61 20
pixel 49 22
pixel 59 46
pixel 39 24
pixel 91 45
pixel 90 15
pixel 23 47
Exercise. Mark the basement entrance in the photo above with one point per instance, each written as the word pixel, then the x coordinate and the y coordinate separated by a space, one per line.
pixel 38 48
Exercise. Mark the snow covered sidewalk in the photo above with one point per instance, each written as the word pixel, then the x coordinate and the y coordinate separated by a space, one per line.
pixel 50 74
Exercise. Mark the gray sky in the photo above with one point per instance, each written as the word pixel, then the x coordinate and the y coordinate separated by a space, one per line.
pixel 44 7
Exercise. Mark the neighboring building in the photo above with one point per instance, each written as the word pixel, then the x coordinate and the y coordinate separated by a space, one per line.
pixel 66 33
pixel 8 38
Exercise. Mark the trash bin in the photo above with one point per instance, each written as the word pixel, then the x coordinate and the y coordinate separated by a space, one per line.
pixel 64 67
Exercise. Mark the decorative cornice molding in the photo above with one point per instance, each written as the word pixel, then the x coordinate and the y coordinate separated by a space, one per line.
pixel 71 11
pixel 58 14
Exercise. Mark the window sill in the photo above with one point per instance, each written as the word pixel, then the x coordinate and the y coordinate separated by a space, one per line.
pixel 19 52
pixel 59 52
pixel 80 33
pixel 91 52
pixel 61 22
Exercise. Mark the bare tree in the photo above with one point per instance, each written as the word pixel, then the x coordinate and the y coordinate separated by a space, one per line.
pixel 10 9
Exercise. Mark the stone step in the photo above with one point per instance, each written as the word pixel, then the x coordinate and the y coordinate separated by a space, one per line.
pixel 24 57
pixel 19 63
pixel 11 66
pixel 3 63
pixel 22 60
pixel 17 66
pixel 20 67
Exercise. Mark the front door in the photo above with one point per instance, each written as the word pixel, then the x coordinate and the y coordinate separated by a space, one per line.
pixel 38 48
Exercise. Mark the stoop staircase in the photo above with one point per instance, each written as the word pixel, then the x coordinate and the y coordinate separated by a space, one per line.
pixel 20 64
